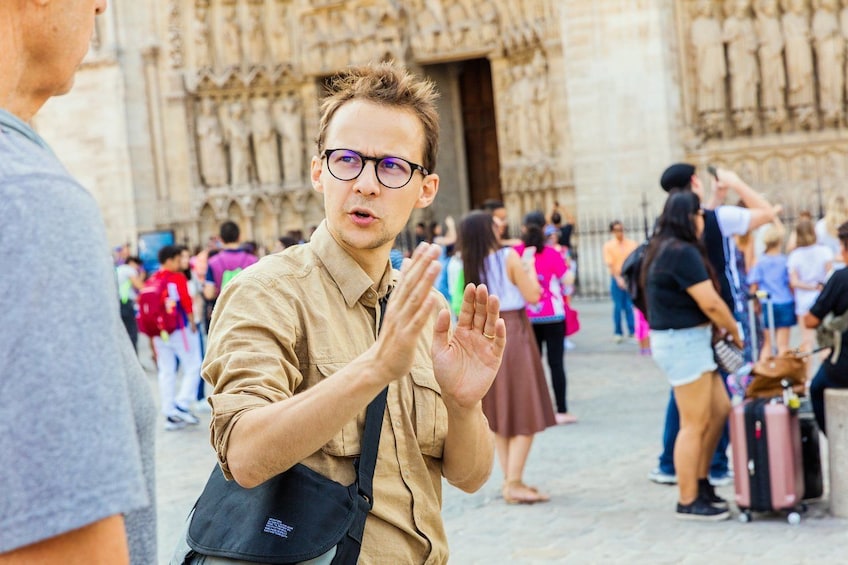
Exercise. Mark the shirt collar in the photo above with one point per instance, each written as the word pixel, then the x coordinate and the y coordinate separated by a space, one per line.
pixel 354 284
pixel 14 123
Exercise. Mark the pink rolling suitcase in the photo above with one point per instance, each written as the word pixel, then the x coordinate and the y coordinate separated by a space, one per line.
pixel 766 440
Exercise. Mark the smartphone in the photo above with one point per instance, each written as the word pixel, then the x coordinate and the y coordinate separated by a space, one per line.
pixel 712 170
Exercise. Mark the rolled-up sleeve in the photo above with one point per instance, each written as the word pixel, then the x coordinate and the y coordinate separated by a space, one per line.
pixel 251 360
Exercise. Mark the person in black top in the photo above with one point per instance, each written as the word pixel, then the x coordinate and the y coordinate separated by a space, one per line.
pixel 682 300
pixel 833 299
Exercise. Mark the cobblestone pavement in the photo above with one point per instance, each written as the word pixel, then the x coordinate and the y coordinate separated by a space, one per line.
pixel 603 508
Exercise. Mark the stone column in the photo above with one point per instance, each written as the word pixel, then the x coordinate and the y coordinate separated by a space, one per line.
pixel 836 408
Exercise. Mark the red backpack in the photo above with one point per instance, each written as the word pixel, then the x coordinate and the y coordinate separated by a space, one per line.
pixel 155 317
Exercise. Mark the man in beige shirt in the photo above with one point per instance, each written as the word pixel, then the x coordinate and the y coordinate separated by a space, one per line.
pixel 616 251
pixel 294 351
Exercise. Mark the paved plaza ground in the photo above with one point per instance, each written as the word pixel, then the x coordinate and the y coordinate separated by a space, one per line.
pixel 603 508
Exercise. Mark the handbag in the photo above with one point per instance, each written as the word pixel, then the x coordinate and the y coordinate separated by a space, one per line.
pixel 572 321
pixel 295 516
pixel 768 374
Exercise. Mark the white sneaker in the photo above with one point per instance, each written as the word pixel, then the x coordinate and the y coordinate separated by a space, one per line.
pixel 173 423
pixel 185 415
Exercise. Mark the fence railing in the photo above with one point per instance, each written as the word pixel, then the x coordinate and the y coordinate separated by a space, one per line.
pixel 593 231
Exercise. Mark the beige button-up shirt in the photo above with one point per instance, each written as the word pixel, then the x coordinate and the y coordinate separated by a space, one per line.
pixel 296 318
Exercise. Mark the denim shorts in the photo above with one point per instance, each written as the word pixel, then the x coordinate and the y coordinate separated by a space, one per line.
pixel 784 315
pixel 683 355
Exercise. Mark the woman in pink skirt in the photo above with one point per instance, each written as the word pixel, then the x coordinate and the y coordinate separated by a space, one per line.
pixel 518 405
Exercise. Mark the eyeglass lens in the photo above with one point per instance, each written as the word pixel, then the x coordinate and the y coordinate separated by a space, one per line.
pixel 345 164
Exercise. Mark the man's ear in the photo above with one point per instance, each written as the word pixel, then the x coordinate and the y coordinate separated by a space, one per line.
pixel 429 188
pixel 315 174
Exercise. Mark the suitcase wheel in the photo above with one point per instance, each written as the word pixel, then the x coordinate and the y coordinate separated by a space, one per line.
pixel 745 516
pixel 794 518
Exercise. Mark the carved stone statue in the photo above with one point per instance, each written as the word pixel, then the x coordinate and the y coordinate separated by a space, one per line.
pixel 706 38
pixel 459 22
pixel 528 121
pixel 315 54
pixel 488 21
pixel 210 143
pixel 238 138
pixel 202 55
pixel 264 136
pixel 365 21
pixel 742 64
pixel 432 27
pixel 538 72
pixel 229 38
pixel 387 32
pixel 830 57
pixel 843 24
pixel 773 85
pixel 799 63
pixel 280 35
pixel 254 33
pixel 290 126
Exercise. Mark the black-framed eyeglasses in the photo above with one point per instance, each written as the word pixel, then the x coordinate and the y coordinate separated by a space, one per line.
pixel 392 172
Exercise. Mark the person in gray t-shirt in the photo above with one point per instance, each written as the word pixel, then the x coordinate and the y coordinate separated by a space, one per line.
pixel 76 413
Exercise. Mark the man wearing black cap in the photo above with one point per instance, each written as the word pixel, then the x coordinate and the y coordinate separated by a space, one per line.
pixel 721 223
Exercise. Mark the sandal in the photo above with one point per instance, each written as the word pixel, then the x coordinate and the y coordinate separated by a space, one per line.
pixel 516 492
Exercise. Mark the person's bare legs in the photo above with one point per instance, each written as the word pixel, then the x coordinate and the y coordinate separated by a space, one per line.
pixel 502 449
pixel 514 489
pixel 695 406
pixel 719 411
pixel 519 449
pixel 782 340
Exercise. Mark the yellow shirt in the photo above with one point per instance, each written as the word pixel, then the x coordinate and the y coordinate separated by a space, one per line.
pixel 296 318
pixel 615 252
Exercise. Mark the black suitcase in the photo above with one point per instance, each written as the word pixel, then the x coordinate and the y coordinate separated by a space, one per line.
pixel 810 453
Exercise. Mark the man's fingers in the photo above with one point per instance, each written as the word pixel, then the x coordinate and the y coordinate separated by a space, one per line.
pixel 481 298
pixel 466 312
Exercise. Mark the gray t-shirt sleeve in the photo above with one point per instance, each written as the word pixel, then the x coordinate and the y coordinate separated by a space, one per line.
pixel 69 423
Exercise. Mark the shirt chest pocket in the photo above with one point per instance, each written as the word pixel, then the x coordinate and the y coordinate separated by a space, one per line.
pixel 431 417
pixel 346 443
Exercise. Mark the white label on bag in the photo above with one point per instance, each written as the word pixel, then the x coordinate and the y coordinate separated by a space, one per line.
pixel 276 527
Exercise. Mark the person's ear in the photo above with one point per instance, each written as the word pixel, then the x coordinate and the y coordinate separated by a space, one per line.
pixel 428 191
pixel 315 174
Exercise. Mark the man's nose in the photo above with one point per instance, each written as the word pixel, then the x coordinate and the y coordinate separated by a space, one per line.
pixel 366 183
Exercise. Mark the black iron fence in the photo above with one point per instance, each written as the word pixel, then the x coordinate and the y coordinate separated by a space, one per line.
pixel 593 280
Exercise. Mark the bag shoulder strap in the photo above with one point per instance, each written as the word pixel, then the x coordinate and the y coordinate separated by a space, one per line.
pixel 367 462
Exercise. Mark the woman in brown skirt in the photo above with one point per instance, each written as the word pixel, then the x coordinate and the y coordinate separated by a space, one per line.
pixel 518 405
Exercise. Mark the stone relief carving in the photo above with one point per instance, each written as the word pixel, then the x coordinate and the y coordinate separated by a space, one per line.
pixel 256 48
pixel 843 25
pixel 830 48
pixel 799 63
pixel 280 36
pixel 455 25
pixel 229 37
pixel 201 35
pixel 210 143
pixel 706 37
pixel 287 117
pixel 758 67
pixel 237 137
pixel 741 42
pixel 527 129
pixel 773 75
pixel 264 142
pixel 175 40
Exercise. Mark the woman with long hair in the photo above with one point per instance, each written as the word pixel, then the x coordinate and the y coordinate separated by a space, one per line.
pixel 548 315
pixel 518 404
pixel 683 299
